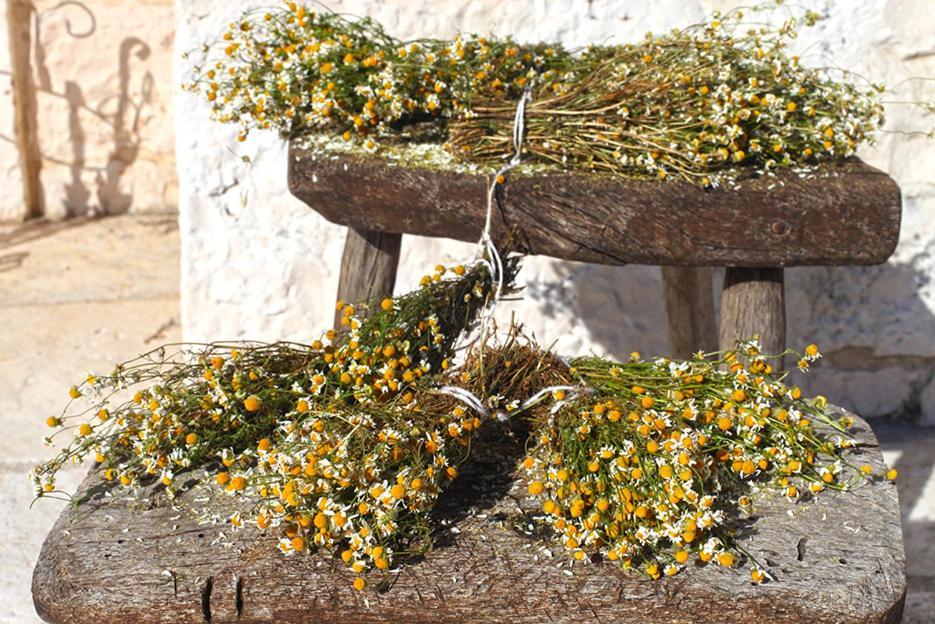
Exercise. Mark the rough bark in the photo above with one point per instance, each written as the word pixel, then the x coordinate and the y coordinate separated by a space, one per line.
pixel 838 559
pixel 753 304
pixel 689 301
pixel 844 214
pixel 368 267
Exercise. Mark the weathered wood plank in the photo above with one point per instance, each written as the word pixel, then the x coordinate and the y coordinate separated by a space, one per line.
pixel 839 560
pixel 753 303
pixel 784 220
pixel 368 267
pixel 689 298
pixel 19 26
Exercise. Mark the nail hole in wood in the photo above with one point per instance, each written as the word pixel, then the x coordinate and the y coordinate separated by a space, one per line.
pixel 800 547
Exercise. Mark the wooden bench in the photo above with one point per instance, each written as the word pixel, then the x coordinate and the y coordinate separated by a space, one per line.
pixel 845 214
pixel 838 559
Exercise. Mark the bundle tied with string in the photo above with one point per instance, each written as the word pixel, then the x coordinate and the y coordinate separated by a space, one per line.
pixel 341 445
pixel 487 248
pixel 704 103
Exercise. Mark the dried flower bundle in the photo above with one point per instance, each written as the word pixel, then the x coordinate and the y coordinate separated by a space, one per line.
pixel 698 103
pixel 344 445
pixel 651 467
pixel 344 442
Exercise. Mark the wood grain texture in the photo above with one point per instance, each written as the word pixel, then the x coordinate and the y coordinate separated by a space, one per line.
pixel 753 303
pixel 368 267
pixel 19 26
pixel 689 299
pixel 847 214
pixel 838 559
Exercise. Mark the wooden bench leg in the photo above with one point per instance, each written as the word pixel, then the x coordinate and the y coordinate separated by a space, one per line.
pixel 690 310
pixel 368 267
pixel 753 302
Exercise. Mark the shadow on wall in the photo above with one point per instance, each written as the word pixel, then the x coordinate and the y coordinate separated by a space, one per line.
pixel 615 309
pixel 878 337
pixel 876 331
pixel 123 124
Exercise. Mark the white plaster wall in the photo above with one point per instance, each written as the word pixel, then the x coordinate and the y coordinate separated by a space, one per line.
pixel 259 264
pixel 103 76
pixel 11 202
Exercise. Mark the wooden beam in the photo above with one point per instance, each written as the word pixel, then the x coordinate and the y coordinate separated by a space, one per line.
pixel 689 298
pixel 18 16
pixel 753 303
pixel 124 560
pixel 368 268
pixel 845 213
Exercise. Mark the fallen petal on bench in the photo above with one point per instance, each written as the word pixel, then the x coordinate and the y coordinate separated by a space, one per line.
pixel 837 559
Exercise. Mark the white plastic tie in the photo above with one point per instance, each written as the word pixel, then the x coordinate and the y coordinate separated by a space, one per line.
pixel 465 396
pixel 471 400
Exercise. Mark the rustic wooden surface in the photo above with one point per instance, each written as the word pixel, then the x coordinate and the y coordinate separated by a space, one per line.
pixel 689 298
pixel 753 303
pixel 848 214
pixel 368 267
pixel 838 559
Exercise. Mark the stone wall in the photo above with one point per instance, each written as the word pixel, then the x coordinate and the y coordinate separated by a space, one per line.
pixel 103 76
pixel 258 264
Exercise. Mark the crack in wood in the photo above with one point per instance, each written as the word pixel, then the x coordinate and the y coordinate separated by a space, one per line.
pixel 239 597
pixel 206 599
